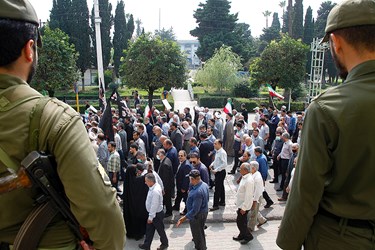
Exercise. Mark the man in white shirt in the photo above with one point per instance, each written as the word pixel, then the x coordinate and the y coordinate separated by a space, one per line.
pixel 249 147
pixel 139 141
pixel 255 215
pixel 217 168
pixel 244 202
pixel 154 207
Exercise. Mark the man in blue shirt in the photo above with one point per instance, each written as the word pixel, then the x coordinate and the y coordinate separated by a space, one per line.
pixel 263 169
pixel 197 209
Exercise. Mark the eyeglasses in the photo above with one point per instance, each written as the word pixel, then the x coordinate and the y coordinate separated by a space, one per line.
pixel 181 156
pixel 193 162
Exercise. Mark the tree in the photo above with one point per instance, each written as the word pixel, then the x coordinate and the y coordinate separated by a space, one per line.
pixel 281 64
pixel 285 27
pixel 319 31
pixel 308 33
pixel 151 63
pixel 105 10
pixel 139 31
pixel 297 32
pixel 321 20
pixel 215 27
pixel 80 34
pixel 267 14
pixel 282 5
pixel 57 62
pixel 119 36
pixel 166 34
pixel 60 15
pixel 130 28
pixel 308 28
pixel 290 17
pixel 243 42
pixel 221 70
pixel 273 32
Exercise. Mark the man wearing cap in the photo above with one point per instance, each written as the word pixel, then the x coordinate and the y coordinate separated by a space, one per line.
pixel 197 209
pixel 60 133
pixel 331 204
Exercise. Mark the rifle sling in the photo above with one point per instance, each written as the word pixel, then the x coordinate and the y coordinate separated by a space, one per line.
pixel 32 229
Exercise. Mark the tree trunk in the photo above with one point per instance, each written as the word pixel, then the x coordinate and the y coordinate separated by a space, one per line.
pixel 83 80
pixel 150 95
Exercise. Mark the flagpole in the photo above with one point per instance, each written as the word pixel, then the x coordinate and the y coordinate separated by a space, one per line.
pixel 290 97
pixel 273 104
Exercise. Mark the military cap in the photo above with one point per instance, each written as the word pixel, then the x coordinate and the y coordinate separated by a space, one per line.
pixel 20 10
pixel 350 13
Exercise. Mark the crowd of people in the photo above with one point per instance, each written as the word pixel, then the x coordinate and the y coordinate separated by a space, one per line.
pixel 168 145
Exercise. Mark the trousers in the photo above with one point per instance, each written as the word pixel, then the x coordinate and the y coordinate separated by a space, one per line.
pixel 158 225
pixel 219 195
pixel 197 230
pixel 242 225
pixel 327 233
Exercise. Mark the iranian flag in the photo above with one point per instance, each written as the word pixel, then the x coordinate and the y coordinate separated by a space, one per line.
pixel 273 93
pixel 147 111
pixel 228 108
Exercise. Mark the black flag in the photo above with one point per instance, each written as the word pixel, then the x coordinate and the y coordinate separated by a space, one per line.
pixel 106 122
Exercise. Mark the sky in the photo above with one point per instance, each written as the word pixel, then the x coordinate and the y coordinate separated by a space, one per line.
pixel 179 13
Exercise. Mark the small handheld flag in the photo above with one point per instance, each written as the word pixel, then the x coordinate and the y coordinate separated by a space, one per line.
pixel 273 93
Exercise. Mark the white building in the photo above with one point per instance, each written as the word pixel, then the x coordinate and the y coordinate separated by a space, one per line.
pixel 189 48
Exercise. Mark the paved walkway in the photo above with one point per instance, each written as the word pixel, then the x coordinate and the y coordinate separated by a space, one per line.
pixel 221 226
pixel 218 237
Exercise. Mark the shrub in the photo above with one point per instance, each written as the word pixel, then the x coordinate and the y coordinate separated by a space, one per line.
pixel 245 89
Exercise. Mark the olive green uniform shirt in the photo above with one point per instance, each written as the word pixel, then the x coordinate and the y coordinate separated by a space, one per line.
pixel 62 133
pixel 336 165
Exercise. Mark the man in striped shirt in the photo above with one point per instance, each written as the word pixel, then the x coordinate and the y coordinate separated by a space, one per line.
pixel 113 166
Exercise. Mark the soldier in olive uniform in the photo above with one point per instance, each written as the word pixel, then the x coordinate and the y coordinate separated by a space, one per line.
pixel 332 205
pixel 61 133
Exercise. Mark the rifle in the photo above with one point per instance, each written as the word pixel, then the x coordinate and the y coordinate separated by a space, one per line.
pixel 38 170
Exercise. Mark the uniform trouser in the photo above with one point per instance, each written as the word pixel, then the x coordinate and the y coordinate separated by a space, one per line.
pixel 242 225
pixel 219 195
pixel 283 168
pixel 197 230
pixel 167 201
pixel 327 233
pixel 180 197
pixel 158 225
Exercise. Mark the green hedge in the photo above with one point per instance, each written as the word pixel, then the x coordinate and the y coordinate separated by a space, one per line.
pixel 220 101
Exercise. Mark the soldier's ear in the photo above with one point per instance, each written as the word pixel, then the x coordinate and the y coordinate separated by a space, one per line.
pixel 29 50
